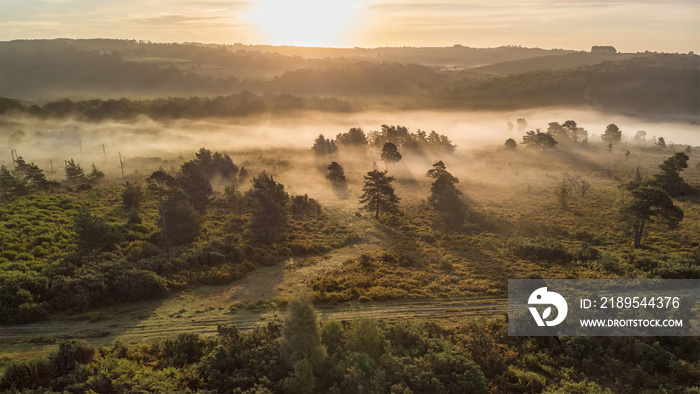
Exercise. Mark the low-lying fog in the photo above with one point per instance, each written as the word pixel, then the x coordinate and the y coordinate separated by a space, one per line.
pixel 46 142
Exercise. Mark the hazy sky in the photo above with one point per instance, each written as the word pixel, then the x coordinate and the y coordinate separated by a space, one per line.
pixel 629 25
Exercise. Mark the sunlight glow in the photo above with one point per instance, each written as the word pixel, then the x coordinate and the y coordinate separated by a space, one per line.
pixel 303 22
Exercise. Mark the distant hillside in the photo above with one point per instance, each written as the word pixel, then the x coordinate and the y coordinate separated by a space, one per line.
pixel 658 84
pixel 50 69
pixel 554 62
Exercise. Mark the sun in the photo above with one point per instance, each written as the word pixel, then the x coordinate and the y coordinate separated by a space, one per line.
pixel 303 22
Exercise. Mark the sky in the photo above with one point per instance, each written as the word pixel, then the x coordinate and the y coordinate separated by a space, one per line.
pixel 629 25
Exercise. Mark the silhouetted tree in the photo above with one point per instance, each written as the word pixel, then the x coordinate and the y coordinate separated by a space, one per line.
pixel 538 139
pixel 612 134
pixel 95 175
pixel 444 197
pixel 390 154
pixel 323 146
pixel 649 203
pixel 336 174
pixel 661 143
pixel 378 193
pixel 354 137
pixel 31 174
pixel 268 201
pixel 511 144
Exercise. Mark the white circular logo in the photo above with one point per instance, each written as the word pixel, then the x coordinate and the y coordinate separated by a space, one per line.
pixel 543 297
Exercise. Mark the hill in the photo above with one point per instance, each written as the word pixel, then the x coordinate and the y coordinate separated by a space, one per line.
pixel 658 84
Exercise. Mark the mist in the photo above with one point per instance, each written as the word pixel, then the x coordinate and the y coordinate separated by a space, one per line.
pixel 40 140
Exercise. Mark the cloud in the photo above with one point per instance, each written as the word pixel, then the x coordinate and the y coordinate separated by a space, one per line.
pixel 170 19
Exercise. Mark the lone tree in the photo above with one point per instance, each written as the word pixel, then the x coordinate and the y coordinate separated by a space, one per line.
pixel 661 143
pixel 511 144
pixel 390 154
pixel 95 175
pixel 669 176
pixel 336 174
pixel 612 134
pixel 269 203
pixel 650 203
pixel 444 197
pixel 378 193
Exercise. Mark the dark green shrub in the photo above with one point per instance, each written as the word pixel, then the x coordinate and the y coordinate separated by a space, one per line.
pixel 538 248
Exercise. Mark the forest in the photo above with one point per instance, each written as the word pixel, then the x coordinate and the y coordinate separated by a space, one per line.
pixel 259 219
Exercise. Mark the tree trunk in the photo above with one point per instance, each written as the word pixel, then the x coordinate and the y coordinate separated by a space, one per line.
pixel 376 214
pixel 638 234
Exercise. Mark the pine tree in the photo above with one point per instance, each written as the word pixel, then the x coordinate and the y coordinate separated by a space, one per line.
pixel 95 175
pixel 74 173
pixel 378 193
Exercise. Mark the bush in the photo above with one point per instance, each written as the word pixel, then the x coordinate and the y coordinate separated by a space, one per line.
pixel 93 232
pixel 72 352
pixel 538 248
